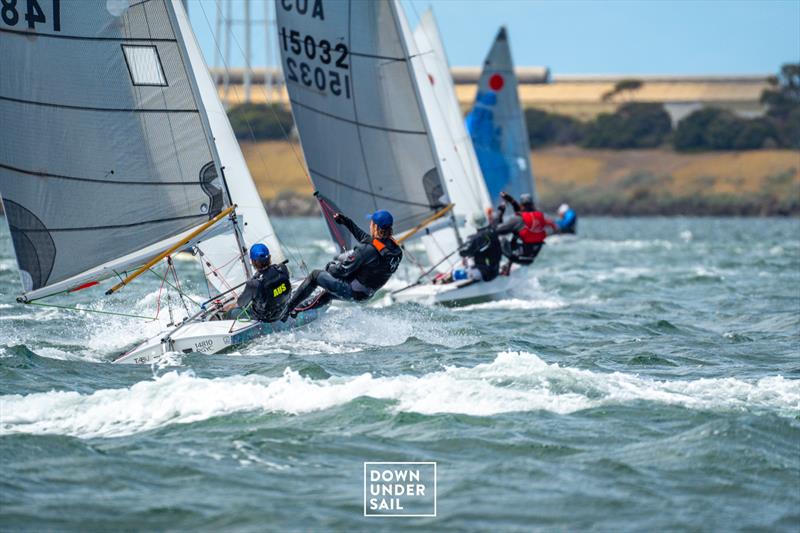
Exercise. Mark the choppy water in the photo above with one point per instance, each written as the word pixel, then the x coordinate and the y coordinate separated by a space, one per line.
pixel 645 377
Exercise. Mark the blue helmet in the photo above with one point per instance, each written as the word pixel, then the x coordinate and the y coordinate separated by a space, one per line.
pixel 382 218
pixel 259 252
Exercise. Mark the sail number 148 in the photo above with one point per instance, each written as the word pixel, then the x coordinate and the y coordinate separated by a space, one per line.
pixel 335 79
pixel 10 11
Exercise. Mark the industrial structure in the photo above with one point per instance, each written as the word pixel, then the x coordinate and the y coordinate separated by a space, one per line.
pixel 582 96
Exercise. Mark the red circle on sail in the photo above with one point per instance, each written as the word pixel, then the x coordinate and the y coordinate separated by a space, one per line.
pixel 496 82
pixel 430 78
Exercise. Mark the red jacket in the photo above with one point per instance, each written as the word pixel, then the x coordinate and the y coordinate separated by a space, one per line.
pixel 533 231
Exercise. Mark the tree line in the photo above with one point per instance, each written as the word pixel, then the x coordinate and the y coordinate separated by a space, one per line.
pixel 648 125
pixel 633 125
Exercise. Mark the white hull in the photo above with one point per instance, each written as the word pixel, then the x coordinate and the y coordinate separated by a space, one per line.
pixel 210 337
pixel 459 293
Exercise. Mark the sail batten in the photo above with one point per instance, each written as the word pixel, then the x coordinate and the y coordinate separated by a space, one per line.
pixel 224 256
pixel 355 107
pixel 103 152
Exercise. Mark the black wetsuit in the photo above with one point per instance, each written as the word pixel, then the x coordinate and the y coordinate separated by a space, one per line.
pixel 484 249
pixel 514 249
pixel 266 293
pixel 355 275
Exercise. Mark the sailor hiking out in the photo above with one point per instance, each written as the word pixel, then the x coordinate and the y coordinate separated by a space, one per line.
pixel 356 274
pixel 528 230
pixel 482 254
pixel 266 294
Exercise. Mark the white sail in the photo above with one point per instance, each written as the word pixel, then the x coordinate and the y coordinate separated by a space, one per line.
pixel 497 126
pixel 117 146
pixel 220 253
pixel 365 138
pixel 103 147
pixel 443 104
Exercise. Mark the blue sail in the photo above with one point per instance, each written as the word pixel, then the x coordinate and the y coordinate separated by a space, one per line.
pixel 497 126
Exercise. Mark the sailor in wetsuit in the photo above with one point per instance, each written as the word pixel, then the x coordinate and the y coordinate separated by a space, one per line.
pixel 266 294
pixel 528 230
pixel 568 223
pixel 483 251
pixel 356 274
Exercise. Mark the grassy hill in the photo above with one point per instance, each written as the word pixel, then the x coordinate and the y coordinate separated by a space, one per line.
pixel 623 182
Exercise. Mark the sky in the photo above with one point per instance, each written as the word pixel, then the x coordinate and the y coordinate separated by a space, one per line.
pixel 674 37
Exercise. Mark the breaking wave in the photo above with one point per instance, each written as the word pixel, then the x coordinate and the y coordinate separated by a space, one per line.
pixel 513 382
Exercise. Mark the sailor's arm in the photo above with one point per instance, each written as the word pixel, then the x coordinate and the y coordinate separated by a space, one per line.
pixel 513 225
pixel 358 233
pixel 350 264
pixel 510 199
pixel 246 297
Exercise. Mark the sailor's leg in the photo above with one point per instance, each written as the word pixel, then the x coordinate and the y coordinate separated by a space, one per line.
pixel 320 300
pixel 338 288
pixel 303 291
pixel 535 249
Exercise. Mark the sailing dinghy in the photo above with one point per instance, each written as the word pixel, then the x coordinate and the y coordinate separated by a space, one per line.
pixel 497 126
pixel 372 134
pixel 115 154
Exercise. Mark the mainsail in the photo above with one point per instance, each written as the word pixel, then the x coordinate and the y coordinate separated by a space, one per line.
pixel 497 126
pixel 464 177
pixel 221 252
pixel 107 156
pixel 364 135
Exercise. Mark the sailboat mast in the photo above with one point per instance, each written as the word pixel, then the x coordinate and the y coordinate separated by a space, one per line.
pixel 405 35
pixel 181 24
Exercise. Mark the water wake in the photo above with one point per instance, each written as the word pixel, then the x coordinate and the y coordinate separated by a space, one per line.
pixel 513 382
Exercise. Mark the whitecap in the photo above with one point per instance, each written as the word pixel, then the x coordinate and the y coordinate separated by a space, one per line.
pixel 513 382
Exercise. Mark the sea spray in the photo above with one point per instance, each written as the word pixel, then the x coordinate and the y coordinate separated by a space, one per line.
pixel 513 382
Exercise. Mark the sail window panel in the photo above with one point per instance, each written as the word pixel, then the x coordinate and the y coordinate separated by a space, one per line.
pixel 144 65
pixel 104 82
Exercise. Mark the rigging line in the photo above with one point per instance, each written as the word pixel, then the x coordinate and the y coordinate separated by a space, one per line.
pixel 35 302
pixel 173 286
pixel 263 90
pixel 177 283
pixel 413 258
pixel 158 298
pixel 293 254
pixel 215 270
pixel 439 106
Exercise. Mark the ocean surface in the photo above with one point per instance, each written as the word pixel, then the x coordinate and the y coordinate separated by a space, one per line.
pixel 645 376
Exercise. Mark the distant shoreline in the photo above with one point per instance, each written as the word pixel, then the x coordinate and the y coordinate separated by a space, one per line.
pixel 653 182
pixel 292 205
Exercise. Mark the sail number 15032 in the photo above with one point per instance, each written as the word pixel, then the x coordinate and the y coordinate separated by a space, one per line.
pixel 335 78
